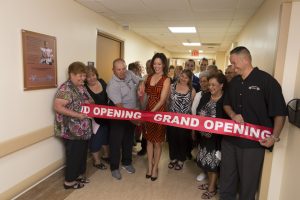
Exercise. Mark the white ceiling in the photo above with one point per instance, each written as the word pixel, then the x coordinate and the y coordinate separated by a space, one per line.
pixel 218 22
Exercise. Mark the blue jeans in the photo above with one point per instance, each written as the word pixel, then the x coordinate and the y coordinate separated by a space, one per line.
pixel 99 139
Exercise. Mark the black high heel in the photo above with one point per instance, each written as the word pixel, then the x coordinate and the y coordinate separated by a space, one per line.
pixel 148 175
pixel 154 178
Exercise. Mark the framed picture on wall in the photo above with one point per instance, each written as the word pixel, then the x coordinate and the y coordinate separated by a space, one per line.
pixel 39 60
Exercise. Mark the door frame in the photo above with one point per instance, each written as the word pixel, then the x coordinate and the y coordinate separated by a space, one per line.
pixel 111 37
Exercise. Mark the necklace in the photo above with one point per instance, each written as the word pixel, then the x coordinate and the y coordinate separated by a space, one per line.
pixel 216 98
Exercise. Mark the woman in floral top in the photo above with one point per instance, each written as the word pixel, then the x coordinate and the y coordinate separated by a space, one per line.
pixel 209 155
pixel 73 127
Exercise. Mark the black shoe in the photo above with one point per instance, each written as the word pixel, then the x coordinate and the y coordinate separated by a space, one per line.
pixel 153 178
pixel 74 186
pixel 148 176
pixel 142 152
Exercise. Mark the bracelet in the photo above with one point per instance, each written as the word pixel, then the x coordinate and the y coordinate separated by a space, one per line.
pixel 276 139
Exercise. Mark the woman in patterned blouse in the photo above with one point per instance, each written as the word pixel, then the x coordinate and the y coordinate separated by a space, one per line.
pixel 209 155
pixel 182 94
pixel 73 127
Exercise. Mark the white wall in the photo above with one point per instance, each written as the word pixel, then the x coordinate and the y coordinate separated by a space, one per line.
pixel 291 77
pixel 260 35
pixel 75 28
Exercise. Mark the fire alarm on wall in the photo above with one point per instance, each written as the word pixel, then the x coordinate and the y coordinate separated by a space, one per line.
pixel 90 63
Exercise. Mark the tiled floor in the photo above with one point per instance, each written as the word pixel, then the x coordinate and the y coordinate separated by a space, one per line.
pixel 170 185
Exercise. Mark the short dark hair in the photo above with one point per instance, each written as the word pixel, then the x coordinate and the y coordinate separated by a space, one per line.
pixel 221 78
pixel 133 66
pixel 241 50
pixel 191 60
pixel 76 68
pixel 164 61
pixel 204 59
pixel 171 67
pixel 91 69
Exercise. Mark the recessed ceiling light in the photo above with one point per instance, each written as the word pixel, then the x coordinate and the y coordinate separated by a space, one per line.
pixel 191 44
pixel 182 29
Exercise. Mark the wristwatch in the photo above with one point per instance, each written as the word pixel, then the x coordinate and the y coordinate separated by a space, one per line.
pixel 276 139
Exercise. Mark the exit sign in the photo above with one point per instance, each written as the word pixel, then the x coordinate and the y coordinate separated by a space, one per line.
pixel 195 52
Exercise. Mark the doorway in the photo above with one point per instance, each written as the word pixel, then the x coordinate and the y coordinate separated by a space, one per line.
pixel 109 48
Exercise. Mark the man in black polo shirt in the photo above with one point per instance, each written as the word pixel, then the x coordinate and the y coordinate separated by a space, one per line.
pixel 255 97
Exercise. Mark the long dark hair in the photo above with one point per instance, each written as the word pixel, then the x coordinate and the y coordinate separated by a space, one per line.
pixel 189 74
pixel 164 61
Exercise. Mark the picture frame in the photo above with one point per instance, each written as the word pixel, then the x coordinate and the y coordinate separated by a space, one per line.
pixel 39 61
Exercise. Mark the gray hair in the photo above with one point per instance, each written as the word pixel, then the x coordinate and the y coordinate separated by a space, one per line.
pixel 204 74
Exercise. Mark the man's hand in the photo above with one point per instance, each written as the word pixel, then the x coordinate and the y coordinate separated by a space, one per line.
pixel 267 142
pixel 238 118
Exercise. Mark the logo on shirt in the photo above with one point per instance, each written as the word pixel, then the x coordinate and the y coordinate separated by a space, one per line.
pixel 253 87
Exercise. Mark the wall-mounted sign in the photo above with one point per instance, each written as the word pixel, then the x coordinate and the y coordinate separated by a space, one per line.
pixel 195 52
pixel 39 60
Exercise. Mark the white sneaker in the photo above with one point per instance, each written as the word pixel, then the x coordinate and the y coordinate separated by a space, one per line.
pixel 201 176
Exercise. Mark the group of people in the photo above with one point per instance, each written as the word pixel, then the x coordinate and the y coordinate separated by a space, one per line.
pixel 244 94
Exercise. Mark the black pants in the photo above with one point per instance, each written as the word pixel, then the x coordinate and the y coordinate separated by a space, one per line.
pixel 178 143
pixel 121 137
pixel 240 166
pixel 76 156
pixel 144 143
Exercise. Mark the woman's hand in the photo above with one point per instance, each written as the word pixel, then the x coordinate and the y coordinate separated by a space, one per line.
pixel 82 116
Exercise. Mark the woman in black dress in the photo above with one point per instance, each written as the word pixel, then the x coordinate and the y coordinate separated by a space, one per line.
pixel 97 89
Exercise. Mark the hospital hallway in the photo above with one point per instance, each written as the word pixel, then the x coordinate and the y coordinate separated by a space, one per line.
pixel 170 185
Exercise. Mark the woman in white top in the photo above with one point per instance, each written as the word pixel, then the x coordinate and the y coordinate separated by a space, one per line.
pixel 203 78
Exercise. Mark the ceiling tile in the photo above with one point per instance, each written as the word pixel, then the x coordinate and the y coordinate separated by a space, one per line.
pixel 131 6
pixel 247 4
pixel 167 5
pixel 198 5
pixel 216 21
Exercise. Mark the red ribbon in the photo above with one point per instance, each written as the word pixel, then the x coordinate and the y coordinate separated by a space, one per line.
pixel 193 122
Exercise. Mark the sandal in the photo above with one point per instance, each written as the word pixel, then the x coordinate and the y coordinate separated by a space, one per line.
pixel 208 195
pixel 74 186
pixel 172 164
pixel 100 166
pixel 83 180
pixel 179 166
pixel 203 186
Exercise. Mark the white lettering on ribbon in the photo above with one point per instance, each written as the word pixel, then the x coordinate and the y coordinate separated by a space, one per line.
pixel 218 126
pixel 85 109
pixel 157 117
pixel 209 124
